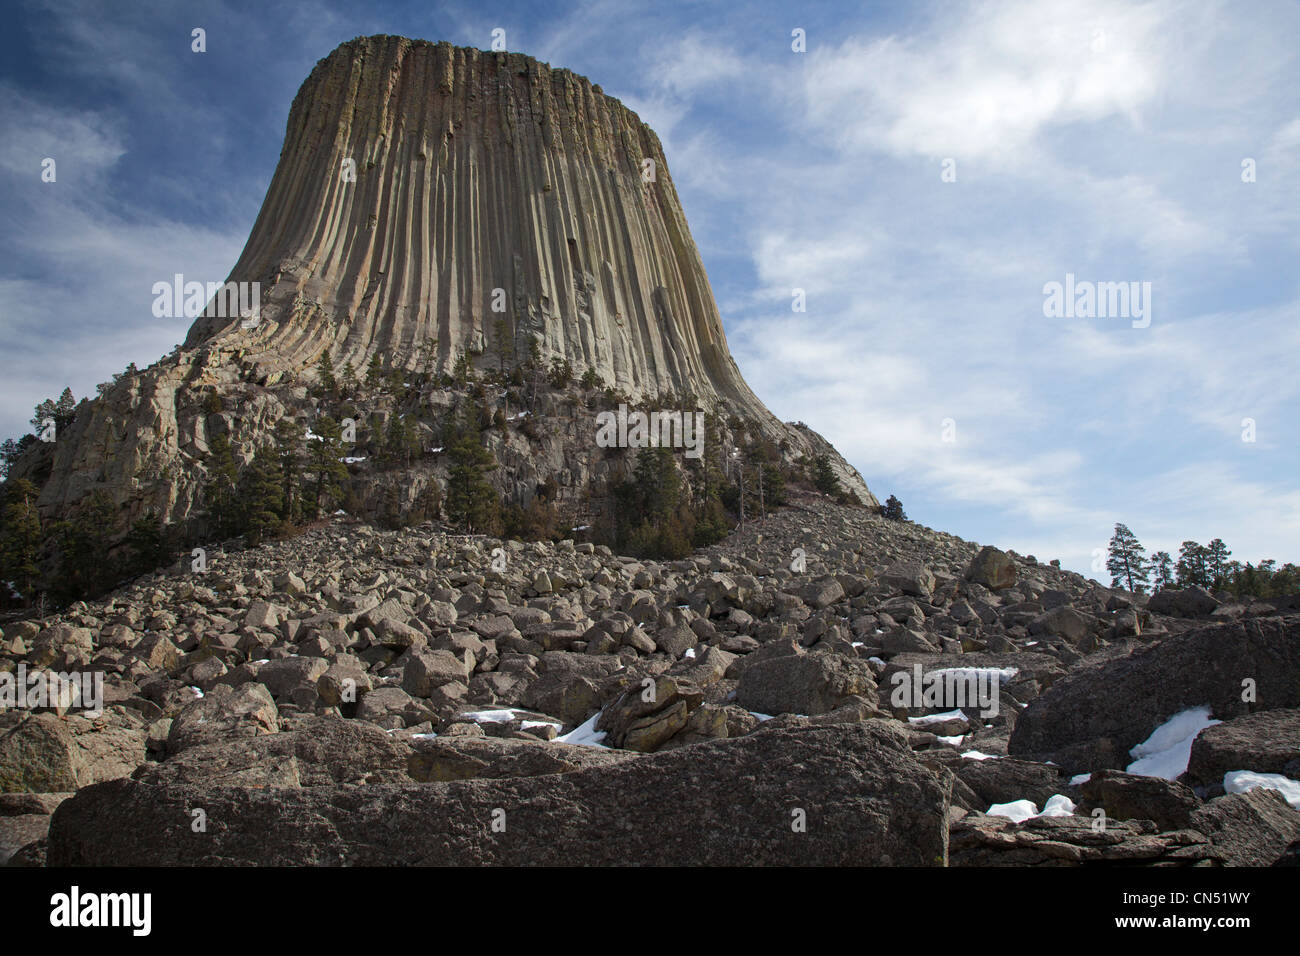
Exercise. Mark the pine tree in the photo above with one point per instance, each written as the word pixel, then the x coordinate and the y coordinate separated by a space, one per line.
pixel 1191 567
pixel 1162 570
pixel 145 544
pixel 375 373
pixel 401 441
pixel 20 537
pixel 1216 562
pixel 323 454
pixel 823 477
pixel 464 369
pixel 1127 562
pixel 84 542
pixel 46 411
pixel 288 446
pixel 325 379
pixel 261 495
pixel 65 410
pixel 349 384
pixel 220 490
pixel 893 509
pixel 472 503
pixel 505 342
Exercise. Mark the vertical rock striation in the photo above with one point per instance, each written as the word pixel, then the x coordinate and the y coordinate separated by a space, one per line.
pixel 430 202
pixel 478 172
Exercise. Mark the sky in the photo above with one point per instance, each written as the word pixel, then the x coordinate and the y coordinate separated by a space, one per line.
pixel 922 171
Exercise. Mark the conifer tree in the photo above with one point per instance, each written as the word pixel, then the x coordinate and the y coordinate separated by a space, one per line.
pixel 65 410
pixel 288 446
pixel 1162 570
pixel 220 490
pixel 823 477
pixel 1191 567
pixel 84 542
pixel 349 384
pixel 1216 562
pixel 261 494
pixel 472 503
pixel 326 380
pixel 20 537
pixel 146 544
pixel 1127 562
pixel 329 473
pixel 375 373
pixel 893 509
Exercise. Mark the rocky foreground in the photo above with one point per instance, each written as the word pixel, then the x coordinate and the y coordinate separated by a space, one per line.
pixel 354 696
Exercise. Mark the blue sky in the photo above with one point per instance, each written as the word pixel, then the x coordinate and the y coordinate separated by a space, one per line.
pixel 1095 138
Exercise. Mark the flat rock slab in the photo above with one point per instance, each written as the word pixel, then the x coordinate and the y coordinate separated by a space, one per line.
pixel 864 798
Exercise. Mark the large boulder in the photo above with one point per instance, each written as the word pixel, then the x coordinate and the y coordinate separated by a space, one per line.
pixel 1128 796
pixel 1092 718
pixel 992 568
pixel 845 795
pixel 1182 602
pixel 808 684
pixel 1254 828
pixel 44 753
pixel 1265 742
pixel 910 577
pixel 226 713
pixel 325 751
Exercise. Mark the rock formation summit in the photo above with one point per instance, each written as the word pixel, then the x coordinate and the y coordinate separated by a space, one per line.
pixel 433 201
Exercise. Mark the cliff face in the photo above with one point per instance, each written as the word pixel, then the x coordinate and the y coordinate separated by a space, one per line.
pixel 495 202
pixel 477 172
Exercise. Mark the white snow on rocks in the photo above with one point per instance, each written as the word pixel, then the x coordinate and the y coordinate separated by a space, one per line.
pixel 1165 753
pixel 937 718
pixel 1239 781
pixel 1018 811
pixel 586 734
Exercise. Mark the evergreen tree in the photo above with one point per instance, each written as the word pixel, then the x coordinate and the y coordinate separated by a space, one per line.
pixel 375 373
pixel 893 509
pixel 329 473
pixel 11 451
pixel 349 384
pixel 84 542
pixel 261 494
pixel 288 446
pixel 472 502
pixel 1191 567
pixel 464 369
pixel 1162 570
pixel 326 381
pixel 145 544
pixel 46 411
pixel 505 342
pixel 401 442
pixel 1127 562
pixel 773 484
pixel 20 537
pixel 220 490
pixel 1216 562
pixel 65 410
pixel 823 477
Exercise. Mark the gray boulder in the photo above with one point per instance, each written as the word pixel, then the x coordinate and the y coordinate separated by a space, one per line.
pixel 846 795
pixel 1093 717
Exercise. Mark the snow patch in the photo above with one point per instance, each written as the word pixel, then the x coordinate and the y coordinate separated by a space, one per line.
pixel 1239 781
pixel 1165 753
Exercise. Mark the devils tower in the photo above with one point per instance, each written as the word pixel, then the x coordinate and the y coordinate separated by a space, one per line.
pixel 435 204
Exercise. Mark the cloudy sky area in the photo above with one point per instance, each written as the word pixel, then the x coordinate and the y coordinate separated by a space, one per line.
pixel 1096 138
